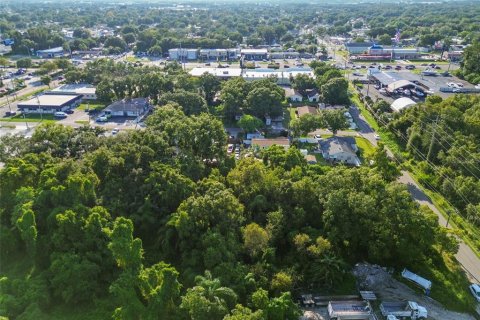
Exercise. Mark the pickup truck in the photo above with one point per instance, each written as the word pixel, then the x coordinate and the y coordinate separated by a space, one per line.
pixel 404 310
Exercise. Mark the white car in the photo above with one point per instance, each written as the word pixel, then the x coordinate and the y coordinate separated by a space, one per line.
pixel 377 137
pixel 115 131
pixel 475 289
pixel 102 119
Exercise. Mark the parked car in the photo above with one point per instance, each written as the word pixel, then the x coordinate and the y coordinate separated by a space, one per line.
pixel 69 111
pixel 230 148
pixel 475 289
pixel 115 131
pixel 377 137
pixel 10 113
pixel 60 114
pixel 102 119
pixel 460 85
pixel 398 68
pixel 388 67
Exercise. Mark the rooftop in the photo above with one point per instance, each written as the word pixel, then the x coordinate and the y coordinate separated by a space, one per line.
pixel 49 100
pixel 402 103
pixel 52 50
pixel 265 143
pixel 76 88
pixel 306 110
pixel 134 104
pixel 254 51
pixel 336 144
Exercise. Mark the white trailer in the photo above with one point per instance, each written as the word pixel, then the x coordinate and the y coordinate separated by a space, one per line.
pixel 404 310
pixel 350 310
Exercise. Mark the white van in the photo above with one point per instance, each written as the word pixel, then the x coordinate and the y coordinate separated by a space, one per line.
pixel 60 114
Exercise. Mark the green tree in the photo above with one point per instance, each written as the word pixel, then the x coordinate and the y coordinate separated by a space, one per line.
pixel 208 299
pixel 24 63
pixel 255 239
pixel 306 124
pixel 46 80
pixel 334 119
pixel 302 83
pixel 250 123
pixel 191 103
pixel 210 85
pixel 335 91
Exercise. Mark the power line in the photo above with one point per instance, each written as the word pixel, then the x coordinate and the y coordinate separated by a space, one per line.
pixel 432 165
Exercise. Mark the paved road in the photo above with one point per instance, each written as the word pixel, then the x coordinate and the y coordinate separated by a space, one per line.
pixel 465 256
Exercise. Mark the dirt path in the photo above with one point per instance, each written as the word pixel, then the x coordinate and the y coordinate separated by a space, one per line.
pixel 378 280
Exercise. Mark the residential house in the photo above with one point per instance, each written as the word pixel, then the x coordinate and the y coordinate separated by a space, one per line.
pixel 340 149
pixel 265 143
pixel 301 111
pixel 135 107
pixel 293 95
pixel 311 159
pixel 313 96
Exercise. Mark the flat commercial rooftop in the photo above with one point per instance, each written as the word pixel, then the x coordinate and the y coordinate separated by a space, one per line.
pixel 76 88
pixel 53 100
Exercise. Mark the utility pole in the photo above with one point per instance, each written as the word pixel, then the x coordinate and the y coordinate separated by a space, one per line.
pixel 41 113
pixel 430 148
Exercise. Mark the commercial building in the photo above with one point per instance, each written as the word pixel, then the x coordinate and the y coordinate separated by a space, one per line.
pixel 254 54
pixel 49 103
pixel 135 107
pixel 50 53
pixel 183 54
pixel 282 76
pixel 377 52
pixel 87 91
pixel 358 47
pixel 219 54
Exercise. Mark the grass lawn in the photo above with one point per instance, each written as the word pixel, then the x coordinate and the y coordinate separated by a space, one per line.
pixel 321 160
pixel 92 106
pixel 82 121
pixel 32 118
pixel 364 146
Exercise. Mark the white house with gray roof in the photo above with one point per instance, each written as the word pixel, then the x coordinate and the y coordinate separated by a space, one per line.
pixel 340 149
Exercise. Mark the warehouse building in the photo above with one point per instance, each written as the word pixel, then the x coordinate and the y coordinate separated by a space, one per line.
pixel 254 54
pixel 87 91
pixel 50 53
pixel 183 54
pixel 49 103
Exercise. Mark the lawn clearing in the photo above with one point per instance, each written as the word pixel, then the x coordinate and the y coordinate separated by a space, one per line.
pixel 364 146
pixel 32 118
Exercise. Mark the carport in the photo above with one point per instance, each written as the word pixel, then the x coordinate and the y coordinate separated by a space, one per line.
pixel 384 78
pixel 401 84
